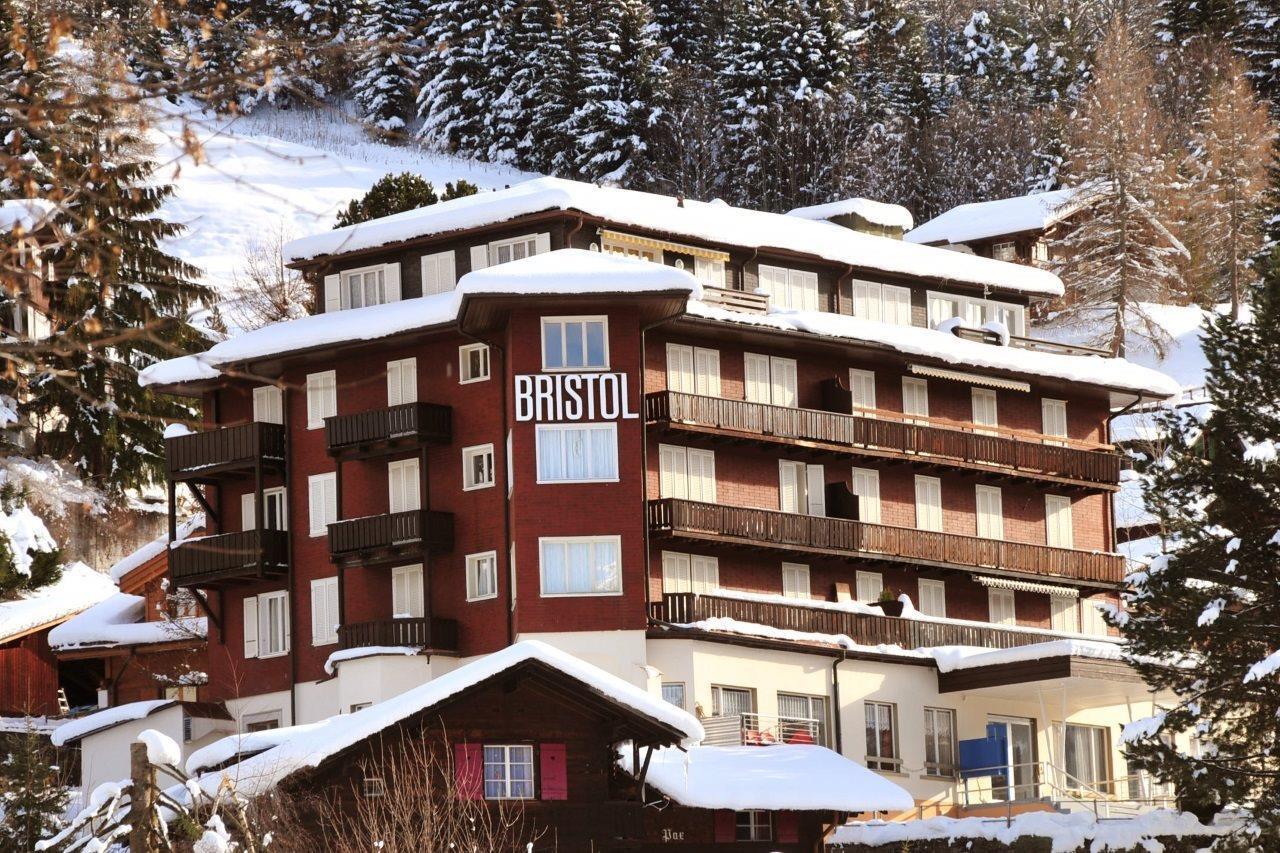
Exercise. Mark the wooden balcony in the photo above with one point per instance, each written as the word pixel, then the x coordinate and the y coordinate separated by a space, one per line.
pixel 433 633
pixel 397 537
pixel 228 451
pixel 683 608
pixel 383 431
pixel 839 537
pixel 248 555
pixel 888 435
pixel 736 300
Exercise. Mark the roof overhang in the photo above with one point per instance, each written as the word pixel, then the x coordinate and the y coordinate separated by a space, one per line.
pixel 1088 676
pixel 483 313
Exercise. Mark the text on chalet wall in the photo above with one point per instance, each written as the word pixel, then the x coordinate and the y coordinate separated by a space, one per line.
pixel 573 397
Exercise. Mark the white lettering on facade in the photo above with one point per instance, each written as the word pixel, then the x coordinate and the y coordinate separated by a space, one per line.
pixel 551 397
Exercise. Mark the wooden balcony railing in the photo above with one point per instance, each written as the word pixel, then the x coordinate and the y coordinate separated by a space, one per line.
pixel 1021 453
pixel 433 633
pixel 244 555
pixel 411 424
pixel 201 455
pixel 842 537
pixel 683 608
pixel 736 300
pixel 381 538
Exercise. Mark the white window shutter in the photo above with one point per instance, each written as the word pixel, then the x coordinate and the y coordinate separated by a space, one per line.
pixel 790 484
pixel 675 572
pixel 680 368
pixel 246 511
pixel 702 475
pixel 1058 528
pixel 984 407
pixel 319 614
pixel 928 503
pixel 251 626
pixel 1063 613
pixel 866 485
pixel 866 302
pixel 704 572
pixel 672 472
pixel 783 384
pixel 332 293
pixel 756 378
pixel 869 585
pixel 862 388
pixel 933 598
pixel 479 257
pixel 990 512
pixel 897 305
pixel 816 490
pixel 804 287
pixel 915 396
pixel 1054 417
pixel 439 274
pixel 391 281
pixel 707 372
pixel 542 243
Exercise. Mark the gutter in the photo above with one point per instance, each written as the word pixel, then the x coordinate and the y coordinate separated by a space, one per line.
pixel 837 729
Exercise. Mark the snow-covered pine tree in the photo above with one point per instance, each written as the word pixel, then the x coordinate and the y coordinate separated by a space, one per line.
pixel 31 76
pixel 1181 22
pixel 625 97
pixel 688 145
pixel 1257 39
pixel 33 791
pixel 385 55
pixel 125 305
pixel 552 87
pixel 456 96
pixel 150 40
pixel 689 29
pixel 303 39
pixel 1120 255
pixel 1200 620
pixel 214 48
pixel 988 61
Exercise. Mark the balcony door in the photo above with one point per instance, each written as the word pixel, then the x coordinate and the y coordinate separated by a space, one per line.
pixel 802 488
pixel 770 379
pixel 402 483
pixel 406 592
pixel 274 510
pixel 1018 742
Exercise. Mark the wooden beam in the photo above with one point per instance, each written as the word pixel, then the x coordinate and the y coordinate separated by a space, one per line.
pixel 209 511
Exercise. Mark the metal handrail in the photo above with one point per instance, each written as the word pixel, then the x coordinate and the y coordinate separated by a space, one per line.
pixel 1055 783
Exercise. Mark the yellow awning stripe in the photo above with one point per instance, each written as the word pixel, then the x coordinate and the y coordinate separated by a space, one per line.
pixel 665 245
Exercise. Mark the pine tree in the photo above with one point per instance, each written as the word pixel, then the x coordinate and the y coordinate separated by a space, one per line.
pixel 304 41
pixel 33 77
pixel 398 193
pixel 214 42
pixel 33 791
pixel 124 305
pixel 1257 39
pixel 457 97
pixel 1182 22
pixel 556 92
pixel 1120 255
pixel 386 65
pixel 689 29
pixel 1200 620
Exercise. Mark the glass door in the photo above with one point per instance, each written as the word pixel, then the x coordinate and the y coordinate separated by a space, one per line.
pixel 1018 744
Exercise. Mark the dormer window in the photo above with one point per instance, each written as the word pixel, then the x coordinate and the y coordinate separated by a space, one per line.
pixel 362 287
pixel 1004 251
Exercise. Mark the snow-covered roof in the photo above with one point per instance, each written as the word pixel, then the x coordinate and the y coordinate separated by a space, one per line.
pixel 121 621
pixel 983 219
pixel 790 777
pixel 578 271
pixel 713 222
pixel 878 212
pixel 108 718
pixel 79 588
pixel 331 664
pixel 1116 373
pixel 310 746
pixel 155 548
pixel 25 213
pixel 952 658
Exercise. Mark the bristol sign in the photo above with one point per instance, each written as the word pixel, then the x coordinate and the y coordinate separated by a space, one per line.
pixel 550 397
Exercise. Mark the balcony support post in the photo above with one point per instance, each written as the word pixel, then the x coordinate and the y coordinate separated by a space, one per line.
pixel 173 510
pixel 258 509
pixel 424 504
pixel 209 512
pixel 208 611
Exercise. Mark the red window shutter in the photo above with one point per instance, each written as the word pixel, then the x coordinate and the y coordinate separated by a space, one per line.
pixel 788 826
pixel 468 770
pixel 555 775
pixel 726 826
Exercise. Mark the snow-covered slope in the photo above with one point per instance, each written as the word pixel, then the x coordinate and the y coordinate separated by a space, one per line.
pixel 294 170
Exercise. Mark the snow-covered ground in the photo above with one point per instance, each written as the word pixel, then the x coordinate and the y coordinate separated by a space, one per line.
pixel 252 176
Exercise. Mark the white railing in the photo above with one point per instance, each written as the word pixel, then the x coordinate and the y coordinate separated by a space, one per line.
pixel 1043 782
pixel 752 729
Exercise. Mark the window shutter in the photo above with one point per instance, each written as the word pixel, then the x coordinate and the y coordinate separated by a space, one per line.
pixel 268 405
pixel 402 381
pixel 866 485
pixel 315 504
pixel 468 770
pixel 804 287
pixel 439 274
pixel 250 627
pixel 704 572
pixel 789 484
pixel 479 257
pixel 391 281
pixel 773 281
pixel 555 775
pixel 869 585
pixel 915 397
pixel 928 503
pixel 415 580
pixel 319 614
pixel 865 302
pixel 246 511
pixel 680 368
pixel 816 490
pixel 399 593
pixel 707 372
pixel 332 293
pixel 862 388
pixel 673 470
pixel 990 512
pixel 1054 417
pixel 726 827
pixel 897 305
pixel 783 385
pixel 542 243
pixel 1057 518
pixel 1063 615
pixel 676 575
pixel 984 407
pixel 756 378
pixel 702 475
pixel 787 827
pixel 933 598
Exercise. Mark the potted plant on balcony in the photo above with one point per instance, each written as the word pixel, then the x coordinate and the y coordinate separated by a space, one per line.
pixel 888 602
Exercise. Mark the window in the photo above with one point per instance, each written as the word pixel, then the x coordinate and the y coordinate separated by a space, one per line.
pixel 1000 605
pixel 402 381
pixel 359 706
pixel 788 288
pixel 975 311
pixel 261 722
pixel 673 693
pixel 693 370
pixel 581 565
pixel 1064 613
pixel 915 397
pixel 404 492
pixel 939 742
pixel 984 409
pixel 477 467
pixel 686 473
pixel 882 736
pixel 928 503
pixel 187 733
pixel 862 389
pixel 439 273
pixel 690 573
pixel 631 250
pixel 473 363
pixel 933 598
pixel 577 453
pixel 1087 756
pixel 363 287
pixel 802 488
pixel 322 502
pixel 802 719
pixel 1040 251
pixel 373 786
pixel 268 404
pixel 884 303
pixel 709 272
pixel 482 576
pixel 1053 417
pixel 1094 623
pixel 753 825
pixel 324 611
pixel 406 592
pixel 275 515
pixel 795 581
pixel 770 379
pixel 266 625
pixel 322 398
pixel 514 249
pixel 1004 251
pixel 1057 521
pixel 990 513
pixel 728 701
pixel 575 343
pixel 508 772
pixel 866 487
pixel 868 586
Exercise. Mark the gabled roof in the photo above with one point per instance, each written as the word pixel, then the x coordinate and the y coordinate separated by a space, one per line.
pixel 121 620
pixel 79 588
pixel 983 219
pixel 155 548
pixel 108 718
pixel 877 212
pixel 713 222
